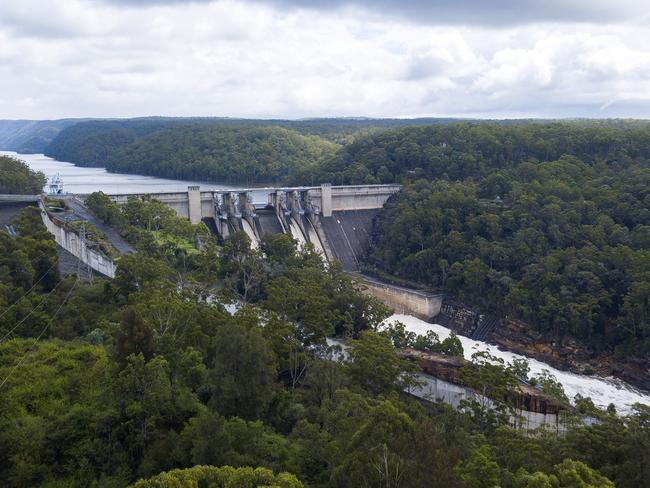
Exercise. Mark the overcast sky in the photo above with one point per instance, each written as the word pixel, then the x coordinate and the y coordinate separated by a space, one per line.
pixel 294 59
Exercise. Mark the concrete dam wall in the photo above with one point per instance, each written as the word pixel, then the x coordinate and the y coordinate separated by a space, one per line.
pixel 336 220
pixel 76 246
pixel 419 303
pixel 195 204
pixel 348 233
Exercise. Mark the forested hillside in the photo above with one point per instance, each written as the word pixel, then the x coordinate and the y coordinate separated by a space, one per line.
pixel 92 143
pixel 477 149
pixel 549 223
pixel 149 377
pixel 30 136
pixel 202 148
pixel 242 155
pixel 16 178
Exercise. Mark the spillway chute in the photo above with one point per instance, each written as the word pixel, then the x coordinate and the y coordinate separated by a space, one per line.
pixel 250 233
pixel 296 233
pixel 315 240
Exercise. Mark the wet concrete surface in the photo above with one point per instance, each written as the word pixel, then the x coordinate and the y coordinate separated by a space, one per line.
pixel 348 235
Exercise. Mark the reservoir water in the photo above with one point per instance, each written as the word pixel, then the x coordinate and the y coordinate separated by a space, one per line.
pixel 77 179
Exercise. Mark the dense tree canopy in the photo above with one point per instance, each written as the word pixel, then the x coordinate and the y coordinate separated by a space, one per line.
pixel 220 478
pixel 241 155
pixel 18 179
pixel 477 149
pixel 92 142
pixel 564 249
pixel 151 377
pixel 148 375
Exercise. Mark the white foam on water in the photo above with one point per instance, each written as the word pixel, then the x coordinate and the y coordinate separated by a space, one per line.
pixel 602 391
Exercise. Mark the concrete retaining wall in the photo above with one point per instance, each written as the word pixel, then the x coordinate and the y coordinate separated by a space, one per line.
pixel 434 389
pixel 420 304
pixel 72 243
pixel 431 390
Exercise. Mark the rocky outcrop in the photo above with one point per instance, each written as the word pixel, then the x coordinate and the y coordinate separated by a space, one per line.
pixel 570 355
pixel 454 370
pixel 521 338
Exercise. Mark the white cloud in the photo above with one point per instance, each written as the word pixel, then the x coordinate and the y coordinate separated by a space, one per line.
pixel 230 58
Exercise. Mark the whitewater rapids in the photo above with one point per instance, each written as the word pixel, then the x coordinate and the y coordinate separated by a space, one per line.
pixel 602 391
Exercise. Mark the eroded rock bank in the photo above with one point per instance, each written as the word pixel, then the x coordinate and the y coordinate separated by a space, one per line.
pixel 518 337
pixel 602 389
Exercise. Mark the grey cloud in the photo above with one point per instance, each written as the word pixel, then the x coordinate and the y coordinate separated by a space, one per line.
pixel 150 3
pixel 39 26
pixel 459 12
pixel 482 12
pixel 119 62
pixel 424 67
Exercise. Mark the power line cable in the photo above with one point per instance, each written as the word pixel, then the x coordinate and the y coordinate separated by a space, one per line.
pixel 31 311
pixel 39 335
pixel 30 290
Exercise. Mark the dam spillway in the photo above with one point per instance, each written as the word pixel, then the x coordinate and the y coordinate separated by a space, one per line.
pixel 268 222
pixel 348 234
pixel 336 220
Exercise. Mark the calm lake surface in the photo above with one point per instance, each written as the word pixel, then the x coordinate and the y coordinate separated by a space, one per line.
pixel 77 179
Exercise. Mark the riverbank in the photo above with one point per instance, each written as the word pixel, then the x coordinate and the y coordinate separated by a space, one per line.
pixel 517 337
pixel 603 390
pixel 84 180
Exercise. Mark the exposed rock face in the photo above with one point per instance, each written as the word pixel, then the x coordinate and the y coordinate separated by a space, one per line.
pixel 521 338
pixel 448 368
pixel 451 369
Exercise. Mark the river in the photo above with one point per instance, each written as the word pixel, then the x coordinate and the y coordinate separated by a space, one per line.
pixel 602 391
pixel 77 179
